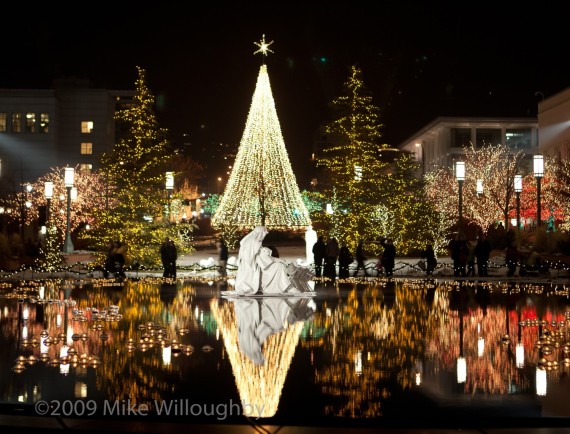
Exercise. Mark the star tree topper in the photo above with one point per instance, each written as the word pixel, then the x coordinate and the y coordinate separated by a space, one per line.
pixel 263 47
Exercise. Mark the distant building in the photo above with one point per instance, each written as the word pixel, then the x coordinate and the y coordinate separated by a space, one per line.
pixel 554 125
pixel 443 141
pixel 71 124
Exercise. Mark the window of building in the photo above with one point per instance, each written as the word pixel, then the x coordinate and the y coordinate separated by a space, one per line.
pixel 487 137
pixel 85 168
pixel 460 137
pixel 3 121
pixel 44 123
pixel 518 139
pixel 86 126
pixel 86 148
pixel 30 122
pixel 16 122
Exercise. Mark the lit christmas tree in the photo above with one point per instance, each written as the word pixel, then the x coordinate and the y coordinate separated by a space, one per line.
pixel 262 189
pixel 135 170
pixel 369 183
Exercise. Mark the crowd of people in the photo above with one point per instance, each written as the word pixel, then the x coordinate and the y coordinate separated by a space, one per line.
pixel 327 255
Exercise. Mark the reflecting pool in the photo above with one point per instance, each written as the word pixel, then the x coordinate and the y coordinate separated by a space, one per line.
pixel 359 353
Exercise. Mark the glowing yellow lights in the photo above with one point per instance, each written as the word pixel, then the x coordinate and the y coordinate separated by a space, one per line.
pixel 262 189
pixel 263 47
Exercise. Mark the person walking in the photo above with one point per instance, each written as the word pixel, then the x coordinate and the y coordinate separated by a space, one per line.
pixel 319 252
pixel 119 259
pixel 344 261
pixel 512 257
pixel 388 256
pixel 360 258
pixel 471 244
pixel 483 252
pixel 168 256
pixel 173 253
pixel 459 255
pixel 164 258
pixel 331 256
pixel 223 257
pixel 431 260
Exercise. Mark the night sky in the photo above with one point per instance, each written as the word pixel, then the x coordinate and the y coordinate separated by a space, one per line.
pixel 419 62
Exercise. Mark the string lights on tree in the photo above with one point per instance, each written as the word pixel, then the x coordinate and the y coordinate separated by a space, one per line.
pixel 262 188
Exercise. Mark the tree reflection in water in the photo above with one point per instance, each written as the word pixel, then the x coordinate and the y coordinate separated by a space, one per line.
pixel 366 344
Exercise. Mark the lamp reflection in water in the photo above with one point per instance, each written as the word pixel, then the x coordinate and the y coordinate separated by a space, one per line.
pixel 540 381
pixel 480 342
pixel 461 362
pixel 519 349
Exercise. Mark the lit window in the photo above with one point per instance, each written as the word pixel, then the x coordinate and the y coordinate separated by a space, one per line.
pixel 44 123
pixel 85 168
pixel 86 126
pixel 30 122
pixel 16 122
pixel 86 148
pixel 3 121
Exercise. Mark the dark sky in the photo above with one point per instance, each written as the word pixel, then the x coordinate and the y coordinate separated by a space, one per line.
pixel 419 61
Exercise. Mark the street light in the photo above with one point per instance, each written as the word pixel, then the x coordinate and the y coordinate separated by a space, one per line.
pixel 68 181
pixel 518 190
pixel 420 146
pixel 48 194
pixel 25 204
pixel 538 174
pixel 479 187
pixel 219 184
pixel 460 175
pixel 169 188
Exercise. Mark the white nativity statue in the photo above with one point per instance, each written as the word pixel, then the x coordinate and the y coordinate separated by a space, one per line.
pixel 260 273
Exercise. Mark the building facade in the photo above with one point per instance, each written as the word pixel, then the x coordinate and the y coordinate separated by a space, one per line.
pixel 443 141
pixel 554 122
pixel 69 125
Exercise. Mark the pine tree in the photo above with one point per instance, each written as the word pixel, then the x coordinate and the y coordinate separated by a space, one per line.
pixel 135 170
pixel 374 190
pixel 262 188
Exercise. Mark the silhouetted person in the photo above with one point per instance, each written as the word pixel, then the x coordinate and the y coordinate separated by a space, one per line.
pixel 331 255
pixel 431 260
pixel 360 258
pixel 482 252
pixel 223 257
pixel 344 261
pixel 319 252
pixel 388 256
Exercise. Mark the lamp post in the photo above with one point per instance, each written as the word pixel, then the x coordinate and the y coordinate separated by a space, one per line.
pixel 518 190
pixel 219 183
pixel 538 167
pixel 420 146
pixel 48 194
pixel 169 187
pixel 25 205
pixel 68 181
pixel 479 187
pixel 460 175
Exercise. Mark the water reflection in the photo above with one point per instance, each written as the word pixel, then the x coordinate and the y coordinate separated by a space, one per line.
pixel 366 350
pixel 260 336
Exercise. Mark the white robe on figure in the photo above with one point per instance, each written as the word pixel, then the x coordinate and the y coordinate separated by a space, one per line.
pixel 248 274
pixel 258 271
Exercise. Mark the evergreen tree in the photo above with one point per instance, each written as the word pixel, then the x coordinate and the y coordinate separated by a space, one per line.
pixel 135 170
pixel 262 188
pixel 372 184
